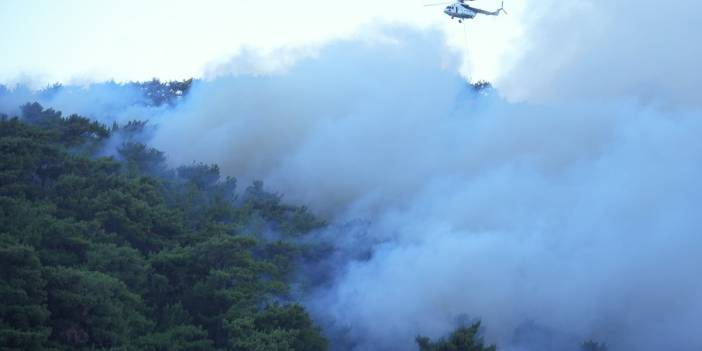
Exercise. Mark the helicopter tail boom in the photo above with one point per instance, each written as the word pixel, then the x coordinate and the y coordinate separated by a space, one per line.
pixel 489 13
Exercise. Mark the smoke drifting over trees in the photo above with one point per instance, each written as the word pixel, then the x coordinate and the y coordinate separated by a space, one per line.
pixel 552 223
pixel 578 219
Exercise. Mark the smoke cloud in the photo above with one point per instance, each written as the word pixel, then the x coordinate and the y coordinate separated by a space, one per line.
pixel 606 49
pixel 553 223
pixel 106 102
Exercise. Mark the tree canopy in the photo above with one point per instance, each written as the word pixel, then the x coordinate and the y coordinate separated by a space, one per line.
pixel 123 253
pixel 126 253
pixel 465 338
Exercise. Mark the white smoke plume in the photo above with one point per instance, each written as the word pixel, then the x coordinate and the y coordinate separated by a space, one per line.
pixel 600 49
pixel 578 217
pixel 106 102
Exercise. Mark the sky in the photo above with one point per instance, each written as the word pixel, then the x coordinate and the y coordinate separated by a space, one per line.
pixel 83 41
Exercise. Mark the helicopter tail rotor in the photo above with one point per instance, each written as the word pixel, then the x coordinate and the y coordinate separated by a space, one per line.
pixel 502 8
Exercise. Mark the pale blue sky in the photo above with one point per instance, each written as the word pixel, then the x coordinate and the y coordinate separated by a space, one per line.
pixel 86 40
pixel 542 50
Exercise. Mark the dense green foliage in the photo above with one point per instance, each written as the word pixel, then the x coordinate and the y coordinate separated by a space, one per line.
pixel 123 253
pixel 593 346
pixel 468 338
pixel 462 339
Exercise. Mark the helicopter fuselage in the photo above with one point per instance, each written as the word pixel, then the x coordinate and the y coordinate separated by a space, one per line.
pixel 458 10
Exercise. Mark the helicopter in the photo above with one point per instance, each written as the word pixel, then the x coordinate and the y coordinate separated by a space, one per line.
pixel 462 11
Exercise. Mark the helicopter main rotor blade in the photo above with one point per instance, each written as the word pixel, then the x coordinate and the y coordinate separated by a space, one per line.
pixel 438 4
pixel 447 2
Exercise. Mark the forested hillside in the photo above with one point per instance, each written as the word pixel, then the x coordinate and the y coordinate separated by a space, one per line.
pixel 123 253
pixel 103 246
